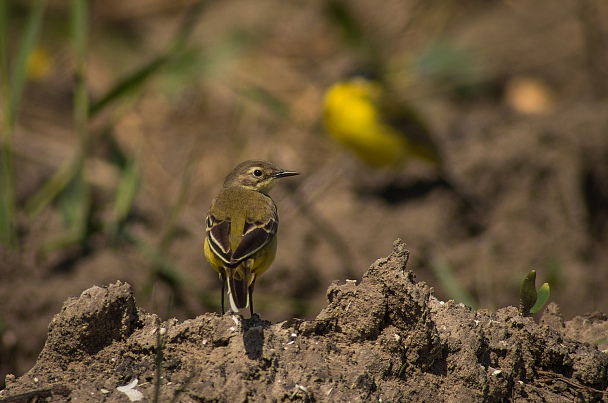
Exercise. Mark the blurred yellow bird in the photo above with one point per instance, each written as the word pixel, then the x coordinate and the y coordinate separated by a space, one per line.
pixel 358 115
pixel 242 224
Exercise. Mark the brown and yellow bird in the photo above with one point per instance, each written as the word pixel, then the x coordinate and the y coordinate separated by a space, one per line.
pixel 242 224
pixel 360 114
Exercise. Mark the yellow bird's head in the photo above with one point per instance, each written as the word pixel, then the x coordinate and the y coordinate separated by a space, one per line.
pixel 356 89
pixel 349 106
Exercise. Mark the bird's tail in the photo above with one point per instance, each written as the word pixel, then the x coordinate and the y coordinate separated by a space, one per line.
pixel 238 290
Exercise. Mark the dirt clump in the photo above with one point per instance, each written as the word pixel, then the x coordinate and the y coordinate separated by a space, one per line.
pixel 386 338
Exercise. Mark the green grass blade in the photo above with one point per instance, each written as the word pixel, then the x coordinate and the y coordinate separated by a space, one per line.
pixel 135 80
pixel 124 199
pixel 50 190
pixel 4 61
pixel 75 214
pixel 171 223
pixel 12 89
pixel 71 204
pixel 445 275
pixel 129 84
pixel 30 39
pixel 8 220
pixel 7 185
pixel 543 296
pixel 79 32
pixel 75 199
pixel 70 178
pixel 67 239
pixel 191 17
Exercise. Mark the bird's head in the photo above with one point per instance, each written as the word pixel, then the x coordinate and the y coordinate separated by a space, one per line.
pixel 354 91
pixel 256 175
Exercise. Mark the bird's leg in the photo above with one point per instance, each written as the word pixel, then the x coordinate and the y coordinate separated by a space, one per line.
pixel 223 279
pixel 251 299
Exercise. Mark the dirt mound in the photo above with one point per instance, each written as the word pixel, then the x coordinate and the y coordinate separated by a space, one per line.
pixel 384 339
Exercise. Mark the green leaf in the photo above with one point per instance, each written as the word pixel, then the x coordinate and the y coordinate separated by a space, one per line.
pixel 542 297
pixel 527 293
pixel 401 369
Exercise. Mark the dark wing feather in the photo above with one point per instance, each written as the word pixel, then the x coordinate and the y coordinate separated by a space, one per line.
pixel 255 236
pixel 218 233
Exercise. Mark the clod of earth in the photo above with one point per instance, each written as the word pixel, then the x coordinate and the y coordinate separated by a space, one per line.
pixel 386 338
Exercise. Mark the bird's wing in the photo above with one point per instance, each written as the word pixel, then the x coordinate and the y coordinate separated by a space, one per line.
pixel 257 230
pixel 256 235
pixel 218 235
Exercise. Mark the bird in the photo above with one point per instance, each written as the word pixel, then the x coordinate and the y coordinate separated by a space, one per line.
pixel 360 114
pixel 241 229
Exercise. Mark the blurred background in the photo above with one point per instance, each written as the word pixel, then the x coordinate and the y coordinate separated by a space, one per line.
pixel 120 120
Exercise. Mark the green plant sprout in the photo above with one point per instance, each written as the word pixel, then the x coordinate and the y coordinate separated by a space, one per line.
pixel 531 300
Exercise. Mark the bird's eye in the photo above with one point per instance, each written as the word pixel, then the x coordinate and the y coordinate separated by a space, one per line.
pixel 258 173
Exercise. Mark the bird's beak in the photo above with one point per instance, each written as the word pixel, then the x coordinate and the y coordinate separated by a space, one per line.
pixel 283 174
